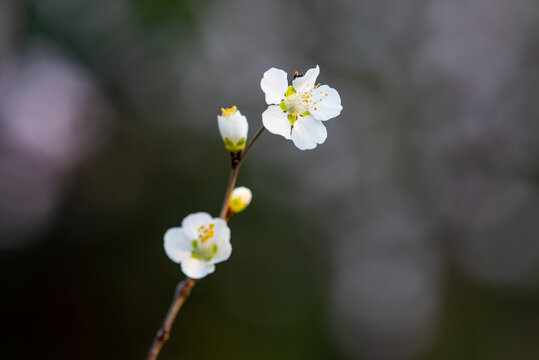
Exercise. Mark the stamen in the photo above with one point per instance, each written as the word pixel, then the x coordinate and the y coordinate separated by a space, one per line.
pixel 228 111
pixel 205 233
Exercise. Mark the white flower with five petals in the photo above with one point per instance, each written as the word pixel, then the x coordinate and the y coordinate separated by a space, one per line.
pixel 296 112
pixel 200 243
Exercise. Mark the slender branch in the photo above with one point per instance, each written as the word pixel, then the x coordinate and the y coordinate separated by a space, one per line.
pixel 234 174
pixel 183 290
pixel 181 294
pixel 251 143
pixel 231 183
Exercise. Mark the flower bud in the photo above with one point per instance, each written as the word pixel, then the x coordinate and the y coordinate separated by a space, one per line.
pixel 240 199
pixel 233 127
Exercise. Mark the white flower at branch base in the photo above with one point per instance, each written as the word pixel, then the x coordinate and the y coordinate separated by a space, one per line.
pixel 240 199
pixel 296 112
pixel 233 127
pixel 200 243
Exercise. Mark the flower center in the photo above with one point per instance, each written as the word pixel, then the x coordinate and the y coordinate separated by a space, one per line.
pixel 202 248
pixel 293 104
pixel 205 233
pixel 226 112
pixel 299 104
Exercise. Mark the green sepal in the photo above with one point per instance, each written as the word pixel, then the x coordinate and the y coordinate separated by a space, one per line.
pixel 292 119
pixel 237 147
pixel 236 205
pixel 228 143
pixel 194 254
pixel 241 142
pixel 290 91
pixel 282 105
pixel 306 113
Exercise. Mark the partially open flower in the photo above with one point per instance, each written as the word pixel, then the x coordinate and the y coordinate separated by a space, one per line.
pixel 200 243
pixel 296 112
pixel 233 127
pixel 240 199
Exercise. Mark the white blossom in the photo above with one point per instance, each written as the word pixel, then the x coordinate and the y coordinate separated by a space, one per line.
pixel 296 112
pixel 200 243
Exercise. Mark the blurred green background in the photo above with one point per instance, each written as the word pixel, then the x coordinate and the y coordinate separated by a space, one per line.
pixel 411 233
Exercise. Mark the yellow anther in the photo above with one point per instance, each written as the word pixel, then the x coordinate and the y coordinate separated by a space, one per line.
pixel 205 233
pixel 228 111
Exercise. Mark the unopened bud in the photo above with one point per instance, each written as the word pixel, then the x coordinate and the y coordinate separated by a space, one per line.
pixel 233 127
pixel 240 199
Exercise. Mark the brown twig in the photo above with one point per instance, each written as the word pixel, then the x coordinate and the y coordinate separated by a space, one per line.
pixel 183 290
pixel 251 143
pixel 236 163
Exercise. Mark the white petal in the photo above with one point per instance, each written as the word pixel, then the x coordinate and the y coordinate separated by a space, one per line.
pixel 308 132
pixel 244 193
pixel 233 127
pixel 221 231
pixel 177 246
pixel 307 81
pixel 224 129
pixel 328 103
pixel 196 269
pixel 274 84
pixel 222 240
pixel 276 121
pixel 239 126
pixel 223 253
pixel 192 222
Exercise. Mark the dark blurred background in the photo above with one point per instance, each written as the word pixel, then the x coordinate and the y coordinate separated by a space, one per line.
pixel 412 233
